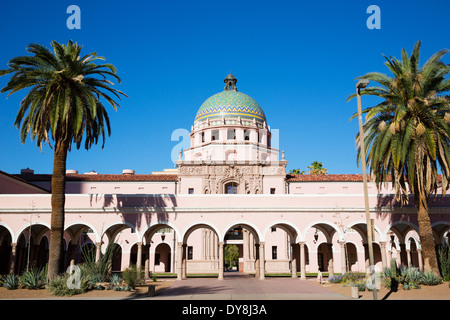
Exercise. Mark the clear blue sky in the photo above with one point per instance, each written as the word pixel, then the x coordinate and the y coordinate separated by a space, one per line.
pixel 297 59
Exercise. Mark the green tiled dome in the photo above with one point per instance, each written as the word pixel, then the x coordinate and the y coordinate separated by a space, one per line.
pixel 230 104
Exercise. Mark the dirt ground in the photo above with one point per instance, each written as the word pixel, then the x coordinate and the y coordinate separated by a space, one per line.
pixel 439 292
pixel 46 294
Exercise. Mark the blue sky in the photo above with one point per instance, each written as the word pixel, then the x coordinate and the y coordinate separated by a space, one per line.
pixel 297 59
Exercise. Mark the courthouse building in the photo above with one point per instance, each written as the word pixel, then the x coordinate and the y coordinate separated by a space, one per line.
pixel 229 187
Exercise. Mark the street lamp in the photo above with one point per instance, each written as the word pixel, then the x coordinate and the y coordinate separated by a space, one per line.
pixel 362 83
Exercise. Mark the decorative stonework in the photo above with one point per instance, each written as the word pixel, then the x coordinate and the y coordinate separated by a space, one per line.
pixel 214 177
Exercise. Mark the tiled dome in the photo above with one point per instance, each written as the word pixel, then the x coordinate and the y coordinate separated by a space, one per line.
pixel 230 103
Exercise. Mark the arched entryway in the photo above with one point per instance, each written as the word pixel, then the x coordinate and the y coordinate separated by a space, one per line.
pixel 5 250
pixel 251 252
pixel 162 258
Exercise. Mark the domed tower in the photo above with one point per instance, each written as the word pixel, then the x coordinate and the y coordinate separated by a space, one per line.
pixel 230 146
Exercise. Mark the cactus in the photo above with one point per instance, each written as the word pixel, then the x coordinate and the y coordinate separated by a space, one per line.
pixel 394 282
pixel 393 268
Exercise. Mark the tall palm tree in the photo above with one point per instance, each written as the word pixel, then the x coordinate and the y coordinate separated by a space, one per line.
pixel 296 171
pixel 63 105
pixel 317 168
pixel 407 135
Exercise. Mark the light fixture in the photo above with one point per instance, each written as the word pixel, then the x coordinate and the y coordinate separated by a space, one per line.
pixel 316 236
pixel 362 83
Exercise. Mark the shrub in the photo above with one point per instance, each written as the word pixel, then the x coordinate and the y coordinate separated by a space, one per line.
pixel 115 280
pixel 11 281
pixel 58 286
pixel 336 278
pixel 34 278
pixel 444 261
pixel 430 279
pixel 352 277
pixel 132 276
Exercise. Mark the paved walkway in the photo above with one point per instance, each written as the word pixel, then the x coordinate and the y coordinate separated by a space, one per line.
pixel 240 286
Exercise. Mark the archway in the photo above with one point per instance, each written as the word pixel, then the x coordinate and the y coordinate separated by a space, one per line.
pixel 160 241
pixel 352 258
pixel 162 258
pixel 5 250
pixel 32 247
pixel 251 251
pixel 282 250
pixel 322 237
pixel 199 251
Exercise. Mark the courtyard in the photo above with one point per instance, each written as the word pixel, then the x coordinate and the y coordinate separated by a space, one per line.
pixel 240 286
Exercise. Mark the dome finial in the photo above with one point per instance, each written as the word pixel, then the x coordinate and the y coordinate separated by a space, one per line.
pixel 230 83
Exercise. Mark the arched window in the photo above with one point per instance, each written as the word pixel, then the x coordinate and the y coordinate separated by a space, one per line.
pixel 231 188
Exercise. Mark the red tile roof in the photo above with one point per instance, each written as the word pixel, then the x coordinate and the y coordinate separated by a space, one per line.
pixel 102 177
pixel 326 178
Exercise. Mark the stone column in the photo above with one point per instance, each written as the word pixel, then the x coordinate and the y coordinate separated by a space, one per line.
pixel 147 262
pixel 220 261
pixel 12 258
pixel 203 246
pixel 330 260
pixel 246 248
pixel 302 261
pixel 139 256
pixel 343 259
pixel 179 261
pixel 383 254
pixel 184 262
pixel 262 261
pixel 256 252
pixel 293 262
pixel 408 257
pixel 366 258
pixel 73 254
pixel 98 251
pixel 419 257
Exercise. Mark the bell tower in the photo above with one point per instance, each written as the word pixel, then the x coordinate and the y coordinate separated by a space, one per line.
pixel 230 83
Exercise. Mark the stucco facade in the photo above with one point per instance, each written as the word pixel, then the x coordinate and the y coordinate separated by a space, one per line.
pixel 230 189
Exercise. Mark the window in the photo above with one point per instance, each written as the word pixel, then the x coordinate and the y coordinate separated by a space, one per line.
pixel 231 188
pixel 274 252
pixel 272 190
pixel 191 190
pixel 246 135
pixel 215 135
pixel 190 253
pixel 231 134
pixel 203 137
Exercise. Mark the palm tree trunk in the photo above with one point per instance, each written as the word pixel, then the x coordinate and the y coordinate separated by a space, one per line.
pixel 426 237
pixel 58 202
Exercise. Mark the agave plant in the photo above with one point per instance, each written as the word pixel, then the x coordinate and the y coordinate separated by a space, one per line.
pixel 100 269
pixel 115 279
pixel 430 279
pixel 34 278
pixel 11 281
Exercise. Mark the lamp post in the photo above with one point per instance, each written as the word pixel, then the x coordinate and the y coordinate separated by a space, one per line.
pixel 362 83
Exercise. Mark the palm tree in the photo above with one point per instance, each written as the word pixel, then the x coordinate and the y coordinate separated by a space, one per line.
pixel 316 168
pixel 296 171
pixel 63 105
pixel 407 134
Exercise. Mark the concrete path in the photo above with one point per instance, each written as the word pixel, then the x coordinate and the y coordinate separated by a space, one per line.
pixel 240 286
